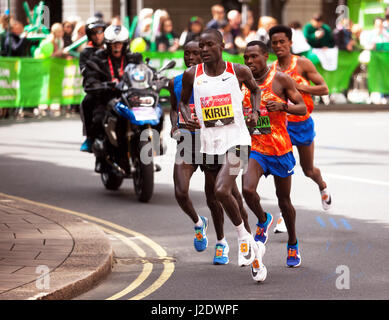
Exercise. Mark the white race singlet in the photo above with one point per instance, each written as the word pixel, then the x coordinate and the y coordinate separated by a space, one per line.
pixel 218 104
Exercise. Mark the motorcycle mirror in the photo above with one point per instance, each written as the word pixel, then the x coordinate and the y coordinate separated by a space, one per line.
pixel 171 64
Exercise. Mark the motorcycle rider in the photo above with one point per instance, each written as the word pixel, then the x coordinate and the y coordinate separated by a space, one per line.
pixel 107 65
pixel 95 32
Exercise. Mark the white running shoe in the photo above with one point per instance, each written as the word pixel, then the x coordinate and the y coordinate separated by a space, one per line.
pixel 258 269
pixel 326 199
pixel 280 225
pixel 247 250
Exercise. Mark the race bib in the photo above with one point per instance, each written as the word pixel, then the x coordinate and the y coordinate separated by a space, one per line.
pixel 217 110
pixel 263 124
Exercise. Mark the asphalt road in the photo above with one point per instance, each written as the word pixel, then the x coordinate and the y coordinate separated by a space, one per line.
pixel 345 251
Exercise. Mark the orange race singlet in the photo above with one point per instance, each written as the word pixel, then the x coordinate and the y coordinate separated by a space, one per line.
pixel 293 73
pixel 270 137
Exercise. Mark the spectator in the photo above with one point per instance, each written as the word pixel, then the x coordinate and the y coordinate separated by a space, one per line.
pixel 299 43
pixel 265 23
pixel 379 35
pixel 218 17
pixel 68 29
pixel 14 43
pixel 4 23
pixel 386 22
pixel 4 19
pixel 160 15
pixel 168 39
pixel 56 38
pixel 144 22
pixel 234 18
pixel 195 28
pixel 225 30
pixel 356 31
pixel 78 33
pixel 318 34
pixel 249 31
pixel 343 35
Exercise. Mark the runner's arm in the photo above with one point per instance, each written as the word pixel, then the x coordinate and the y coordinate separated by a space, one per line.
pixel 245 76
pixel 173 109
pixel 309 71
pixel 298 107
pixel 183 106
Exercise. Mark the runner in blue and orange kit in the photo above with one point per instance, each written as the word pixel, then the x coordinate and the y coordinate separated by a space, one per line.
pixel 301 128
pixel 271 148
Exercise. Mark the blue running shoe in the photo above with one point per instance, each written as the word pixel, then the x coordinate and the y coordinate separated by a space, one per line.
pixel 200 240
pixel 263 228
pixel 221 254
pixel 87 145
pixel 294 258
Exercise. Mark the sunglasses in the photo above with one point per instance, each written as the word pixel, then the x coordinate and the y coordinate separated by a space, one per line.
pixel 98 32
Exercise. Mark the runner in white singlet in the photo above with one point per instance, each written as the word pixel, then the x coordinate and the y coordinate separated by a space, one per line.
pixel 218 102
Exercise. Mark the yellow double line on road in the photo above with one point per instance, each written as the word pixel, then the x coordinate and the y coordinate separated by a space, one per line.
pixel 107 226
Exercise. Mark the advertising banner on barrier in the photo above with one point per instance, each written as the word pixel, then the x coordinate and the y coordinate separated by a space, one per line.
pixel 377 72
pixel 28 82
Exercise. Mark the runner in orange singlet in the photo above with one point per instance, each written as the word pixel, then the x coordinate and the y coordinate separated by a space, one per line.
pixel 301 128
pixel 271 148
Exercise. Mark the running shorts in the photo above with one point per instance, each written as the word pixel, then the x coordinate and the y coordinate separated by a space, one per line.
pixel 302 133
pixel 281 166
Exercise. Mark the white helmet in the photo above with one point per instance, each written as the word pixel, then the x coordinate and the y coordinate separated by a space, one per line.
pixel 116 34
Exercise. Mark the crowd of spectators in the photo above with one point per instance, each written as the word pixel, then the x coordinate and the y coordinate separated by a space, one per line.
pixel 156 26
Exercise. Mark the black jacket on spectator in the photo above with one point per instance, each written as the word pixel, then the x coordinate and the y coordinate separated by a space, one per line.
pixel 85 55
pixel 14 46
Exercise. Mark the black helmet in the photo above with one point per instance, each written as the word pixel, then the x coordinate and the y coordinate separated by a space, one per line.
pixel 92 23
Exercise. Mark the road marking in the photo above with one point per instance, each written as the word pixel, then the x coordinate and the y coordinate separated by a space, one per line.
pixel 146 271
pixel 321 222
pixel 157 284
pixel 356 179
pixel 346 224
pixel 333 222
pixel 168 265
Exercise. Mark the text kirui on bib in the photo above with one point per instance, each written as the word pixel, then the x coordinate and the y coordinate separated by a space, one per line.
pixel 217 110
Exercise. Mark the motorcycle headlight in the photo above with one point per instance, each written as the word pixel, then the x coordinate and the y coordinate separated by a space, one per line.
pixel 146 101
pixel 140 76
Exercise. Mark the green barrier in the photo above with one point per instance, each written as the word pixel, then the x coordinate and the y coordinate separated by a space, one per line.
pixel 338 81
pixel 27 82
pixel 377 72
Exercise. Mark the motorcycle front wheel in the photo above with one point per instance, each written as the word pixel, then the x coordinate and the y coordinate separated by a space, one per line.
pixel 111 180
pixel 143 176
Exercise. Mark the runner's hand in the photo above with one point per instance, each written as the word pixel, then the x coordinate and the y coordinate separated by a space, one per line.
pixel 173 130
pixel 252 119
pixel 275 106
pixel 193 124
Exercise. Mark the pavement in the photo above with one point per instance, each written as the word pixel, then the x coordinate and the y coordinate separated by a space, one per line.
pixel 48 254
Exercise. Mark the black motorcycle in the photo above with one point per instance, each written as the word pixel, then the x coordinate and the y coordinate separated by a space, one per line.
pixel 132 126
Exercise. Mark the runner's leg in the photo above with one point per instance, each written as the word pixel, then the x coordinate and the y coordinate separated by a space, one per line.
pixel 250 182
pixel 212 203
pixel 242 210
pixel 283 186
pixel 306 154
pixel 225 181
pixel 181 175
